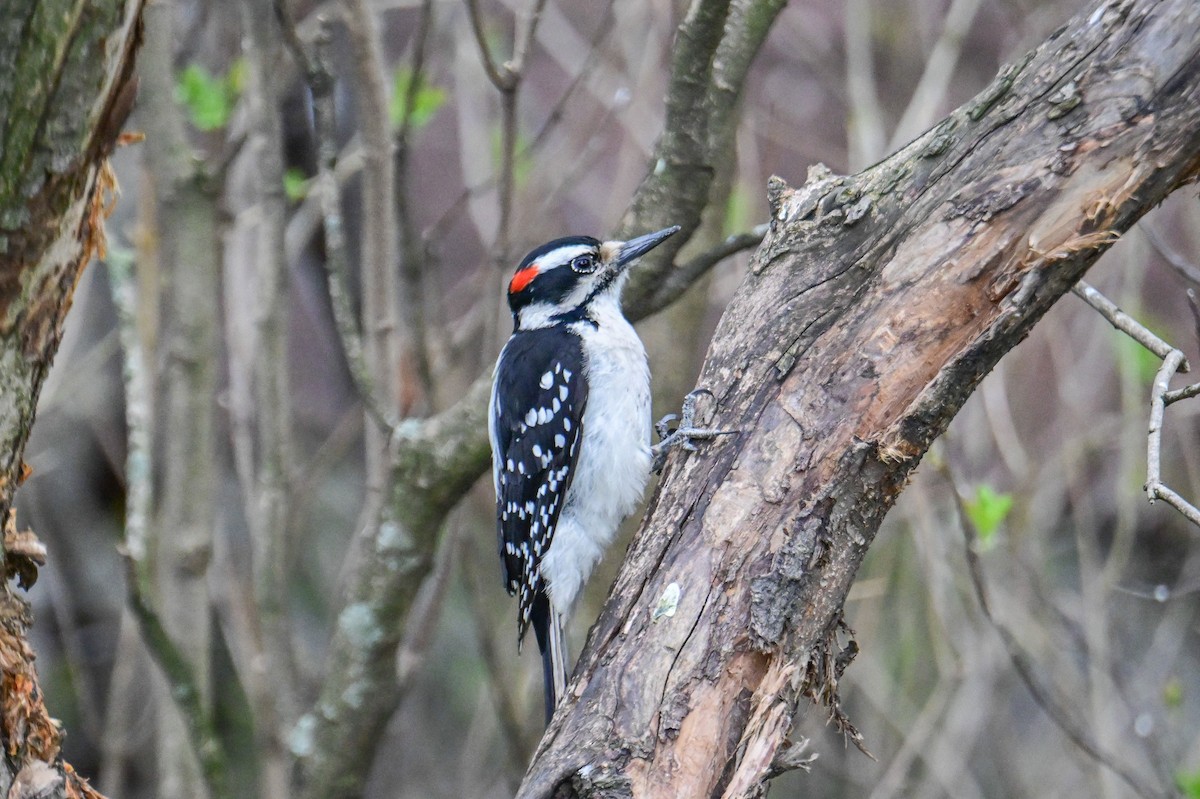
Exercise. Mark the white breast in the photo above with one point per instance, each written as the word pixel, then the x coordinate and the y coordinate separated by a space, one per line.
pixel 614 457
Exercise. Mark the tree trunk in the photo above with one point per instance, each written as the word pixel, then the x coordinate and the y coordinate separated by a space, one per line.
pixel 873 308
pixel 65 90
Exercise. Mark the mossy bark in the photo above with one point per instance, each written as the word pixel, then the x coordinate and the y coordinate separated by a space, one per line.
pixel 65 89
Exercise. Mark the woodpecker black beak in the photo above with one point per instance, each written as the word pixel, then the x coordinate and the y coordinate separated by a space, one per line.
pixel 635 248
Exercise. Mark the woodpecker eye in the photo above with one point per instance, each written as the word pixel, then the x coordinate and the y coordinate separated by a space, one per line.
pixel 584 264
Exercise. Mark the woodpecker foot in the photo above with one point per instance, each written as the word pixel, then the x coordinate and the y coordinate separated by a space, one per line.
pixel 685 434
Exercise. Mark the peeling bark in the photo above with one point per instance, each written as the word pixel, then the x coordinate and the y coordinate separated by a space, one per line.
pixel 873 308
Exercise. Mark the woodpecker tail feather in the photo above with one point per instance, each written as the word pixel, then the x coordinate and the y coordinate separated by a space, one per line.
pixel 548 628
pixel 558 664
pixel 548 683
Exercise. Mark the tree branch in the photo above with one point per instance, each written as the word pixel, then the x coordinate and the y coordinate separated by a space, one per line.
pixel 66 93
pixel 873 308
pixel 436 460
pixel 716 45
pixel 274 679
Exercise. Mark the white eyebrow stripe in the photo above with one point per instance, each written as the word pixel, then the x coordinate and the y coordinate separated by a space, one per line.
pixel 561 256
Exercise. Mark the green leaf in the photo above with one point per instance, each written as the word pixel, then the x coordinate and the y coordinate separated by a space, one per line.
pixel 1189 783
pixel 295 184
pixel 426 102
pixel 1173 693
pixel 208 99
pixel 987 510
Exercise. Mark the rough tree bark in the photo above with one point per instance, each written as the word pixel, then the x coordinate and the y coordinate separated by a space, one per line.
pixel 65 90
pixel 873 308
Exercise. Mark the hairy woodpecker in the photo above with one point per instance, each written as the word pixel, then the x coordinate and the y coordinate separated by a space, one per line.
pixel 569 423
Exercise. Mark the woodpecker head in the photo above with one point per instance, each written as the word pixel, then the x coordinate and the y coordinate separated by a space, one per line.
pixel 565 276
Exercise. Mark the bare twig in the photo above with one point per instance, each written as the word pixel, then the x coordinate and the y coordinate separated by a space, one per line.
pixel 1124 322
pixel 437 230
pixel 426 610
pixel 1194 306
pixel 331 170
pixel 1025 667
pixel 525 36
pixel 413 254
pixel 500 77
pixel 1175 259
pixel 500 683
pixel 1160 394
pixel 687 273
pixel 935 79
pixel 865 126
pixel 378 236
pixel 507 80
pixel 1187 392
pixel 1155 488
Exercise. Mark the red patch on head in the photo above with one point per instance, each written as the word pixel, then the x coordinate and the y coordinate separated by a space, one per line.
pixel 522 278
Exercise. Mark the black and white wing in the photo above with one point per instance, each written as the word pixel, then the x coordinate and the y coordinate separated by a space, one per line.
pixel 535 421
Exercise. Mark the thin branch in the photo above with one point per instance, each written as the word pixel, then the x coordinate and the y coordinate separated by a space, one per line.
pixel 332 169
pixel 184 689
pixel 500 685
pixel 684 275
pixel 1173 362
pixel 422 621
pixel 437 230
pixel 930 92
pixel 1187 392
pixel 378 239
pixel 1026 669
pixel 1175 259
pixel 181 681
pixel 413 254
pixel 507 80
pixel 1124 322
pixel 865 125
pixel 1155 488
pixel 525 36
pixel 501 80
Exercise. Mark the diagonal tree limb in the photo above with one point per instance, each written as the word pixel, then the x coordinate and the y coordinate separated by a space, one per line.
pixel 874 307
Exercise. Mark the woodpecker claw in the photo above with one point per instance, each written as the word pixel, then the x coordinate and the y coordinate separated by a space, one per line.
pixel 663 426
pixel 685 435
